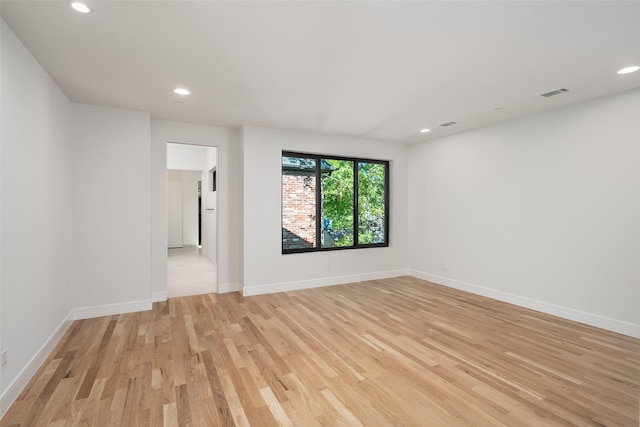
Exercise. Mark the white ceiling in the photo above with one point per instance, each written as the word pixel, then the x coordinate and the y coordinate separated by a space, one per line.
pixel 380 70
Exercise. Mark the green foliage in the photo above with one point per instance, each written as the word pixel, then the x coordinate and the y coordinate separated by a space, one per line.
pixel 371 203
pixel 338 203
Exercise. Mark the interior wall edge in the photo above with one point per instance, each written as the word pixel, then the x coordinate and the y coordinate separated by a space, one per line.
pixel 14 389
pixel 318 283
pixel 599 321
pixel 159 296
pixel 111 309
pixel 224 288
pixel 18 384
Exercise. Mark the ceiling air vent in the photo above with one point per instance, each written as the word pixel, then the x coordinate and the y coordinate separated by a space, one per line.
pixel 448 124
pixel 554 92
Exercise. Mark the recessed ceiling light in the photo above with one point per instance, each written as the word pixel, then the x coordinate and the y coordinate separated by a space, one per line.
pixel 425 130
pixel 182 91
pixel 627 70
pixel 80 7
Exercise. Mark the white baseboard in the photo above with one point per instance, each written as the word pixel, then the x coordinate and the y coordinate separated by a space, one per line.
pixel 159 296
pixel 317 283
pixel 111 309
pixel 603 322
pixel 224 288
pixel 22 379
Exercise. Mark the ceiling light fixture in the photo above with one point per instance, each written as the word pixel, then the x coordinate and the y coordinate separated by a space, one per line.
pixel 182 91
pixel 80 7
pixel 627 70
pixel 425 130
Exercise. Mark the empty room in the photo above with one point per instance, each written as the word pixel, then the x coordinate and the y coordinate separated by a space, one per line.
pixel 319 213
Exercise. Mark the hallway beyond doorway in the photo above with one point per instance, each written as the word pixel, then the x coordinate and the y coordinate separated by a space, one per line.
pixel 189 272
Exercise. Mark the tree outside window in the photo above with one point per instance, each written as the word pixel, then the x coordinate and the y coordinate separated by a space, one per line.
pixel 349 209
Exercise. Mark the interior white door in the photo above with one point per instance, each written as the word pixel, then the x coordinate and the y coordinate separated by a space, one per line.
pixel 174 207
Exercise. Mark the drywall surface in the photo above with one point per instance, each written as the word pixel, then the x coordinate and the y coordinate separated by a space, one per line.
pixel 266 269
pixel 544 209
pixel 36 228
pixel 210 205
pixel 111 206
pixel 229 198
pixel 186 157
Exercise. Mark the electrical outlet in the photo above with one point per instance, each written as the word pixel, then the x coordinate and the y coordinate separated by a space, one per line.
pixel 5 359
pixel 325 266
pixel 445 266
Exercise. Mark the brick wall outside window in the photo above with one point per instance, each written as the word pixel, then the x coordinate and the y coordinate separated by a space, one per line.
pixel 298 209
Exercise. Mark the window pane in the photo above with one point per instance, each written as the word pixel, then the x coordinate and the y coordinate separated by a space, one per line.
pixel 371 203
pixel 298 203
pixel 337 203
pixel 333 202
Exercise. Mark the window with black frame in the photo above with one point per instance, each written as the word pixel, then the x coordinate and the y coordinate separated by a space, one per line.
pixel 333 202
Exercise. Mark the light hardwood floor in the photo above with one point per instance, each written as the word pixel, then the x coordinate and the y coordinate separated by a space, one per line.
pixel 397 352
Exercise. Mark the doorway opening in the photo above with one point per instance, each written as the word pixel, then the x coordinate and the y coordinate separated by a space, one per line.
pixel 192 267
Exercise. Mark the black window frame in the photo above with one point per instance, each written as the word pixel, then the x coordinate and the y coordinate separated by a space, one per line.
pixel 318 175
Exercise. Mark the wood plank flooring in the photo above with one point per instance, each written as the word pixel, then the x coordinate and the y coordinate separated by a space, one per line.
pixel 396 352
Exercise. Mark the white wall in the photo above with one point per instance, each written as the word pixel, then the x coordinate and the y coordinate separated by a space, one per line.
pixel 36 228
pixel 209 207
pixel 265 268
pixel 111 207
pixel 174 212
pixel 229 199
pixel 543 211
pixel 185 160
pixel 188 205
pixel 186 157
